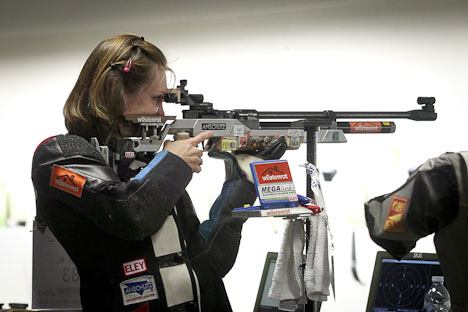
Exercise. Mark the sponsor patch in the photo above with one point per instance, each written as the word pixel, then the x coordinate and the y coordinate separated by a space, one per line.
pixel 294 142
pixel 273 172
pixel 138 289
pixel 394 221
pixel 242 141
pixel 275 181
pixel 213 126
pixel 149 119
pixel 67 180
pixel 134 267
pixel 228 144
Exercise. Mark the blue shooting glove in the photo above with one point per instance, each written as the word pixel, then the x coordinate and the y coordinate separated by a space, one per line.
pixel 222 232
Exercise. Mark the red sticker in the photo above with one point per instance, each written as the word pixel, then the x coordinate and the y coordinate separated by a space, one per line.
pixel 134 267
pixel 365 127
pixel 394 221
pixel 273 172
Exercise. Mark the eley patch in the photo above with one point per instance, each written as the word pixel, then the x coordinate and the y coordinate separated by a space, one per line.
pixel 67 180
pixel 134 267
pixel 394 221
pixel 138 289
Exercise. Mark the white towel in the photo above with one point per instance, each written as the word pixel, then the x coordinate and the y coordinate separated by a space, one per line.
pixel 317 276
pixel 288 281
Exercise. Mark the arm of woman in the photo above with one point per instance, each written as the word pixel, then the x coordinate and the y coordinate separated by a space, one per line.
pixel 69 170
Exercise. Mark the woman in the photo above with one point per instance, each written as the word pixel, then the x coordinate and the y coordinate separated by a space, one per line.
pixel 135 239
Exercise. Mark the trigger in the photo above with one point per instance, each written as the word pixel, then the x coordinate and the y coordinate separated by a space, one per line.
pixel 209 145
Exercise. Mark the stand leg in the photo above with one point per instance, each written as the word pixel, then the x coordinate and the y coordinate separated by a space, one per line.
pixel 311 306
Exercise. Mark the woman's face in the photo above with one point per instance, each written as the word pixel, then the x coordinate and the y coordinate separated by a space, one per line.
pixel 148 99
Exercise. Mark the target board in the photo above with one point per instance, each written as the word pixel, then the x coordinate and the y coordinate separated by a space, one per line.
pixel 402 285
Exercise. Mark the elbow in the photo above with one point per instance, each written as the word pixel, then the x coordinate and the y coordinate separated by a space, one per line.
pixel 132 221
pixel 138 226
pixel 134 215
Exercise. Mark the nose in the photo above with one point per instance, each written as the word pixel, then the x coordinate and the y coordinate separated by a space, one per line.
pixel 160 110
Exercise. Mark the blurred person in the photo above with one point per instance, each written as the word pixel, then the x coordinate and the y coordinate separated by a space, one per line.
pixel 434 200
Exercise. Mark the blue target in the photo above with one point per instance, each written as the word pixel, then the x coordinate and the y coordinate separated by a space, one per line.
pixel 402 286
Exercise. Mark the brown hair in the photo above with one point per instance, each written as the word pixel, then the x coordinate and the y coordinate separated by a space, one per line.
pixel 94 106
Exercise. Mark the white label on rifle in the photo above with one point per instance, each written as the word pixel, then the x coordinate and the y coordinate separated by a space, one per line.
pixel 238 130
pixel 293 132
pixel 144 119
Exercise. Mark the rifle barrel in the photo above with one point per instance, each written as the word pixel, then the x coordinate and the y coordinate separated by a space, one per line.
pixel 326 115
pixel 331 115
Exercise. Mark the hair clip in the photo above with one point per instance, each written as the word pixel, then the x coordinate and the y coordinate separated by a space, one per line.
pixel 134 44
pixel 112 65
pixel 128 66
pixel 142 38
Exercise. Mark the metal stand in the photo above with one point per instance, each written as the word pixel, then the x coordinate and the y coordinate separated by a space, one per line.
pixel 311 127
pixel 326 120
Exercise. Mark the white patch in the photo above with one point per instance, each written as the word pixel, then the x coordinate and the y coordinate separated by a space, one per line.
pixel 166 240
pixel 239 130
pixel 138 289
pixel 177 284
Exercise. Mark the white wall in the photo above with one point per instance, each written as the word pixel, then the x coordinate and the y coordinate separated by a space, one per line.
pixel 349 56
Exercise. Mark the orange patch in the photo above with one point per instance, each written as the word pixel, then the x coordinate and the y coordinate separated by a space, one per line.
pixel 394 221
pixel 68 181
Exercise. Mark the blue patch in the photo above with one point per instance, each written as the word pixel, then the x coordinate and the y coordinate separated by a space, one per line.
pixel 153 163
pixel 138 287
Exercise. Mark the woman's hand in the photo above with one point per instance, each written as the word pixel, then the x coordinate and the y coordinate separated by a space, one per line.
pixel 187 149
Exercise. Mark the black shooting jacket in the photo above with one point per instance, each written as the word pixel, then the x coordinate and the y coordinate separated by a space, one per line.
pixel 137 243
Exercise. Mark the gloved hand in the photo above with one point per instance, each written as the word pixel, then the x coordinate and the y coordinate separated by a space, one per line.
pixel 238 163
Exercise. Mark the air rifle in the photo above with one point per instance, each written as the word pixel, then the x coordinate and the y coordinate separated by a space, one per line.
pixel 245 129
pixel 248 129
